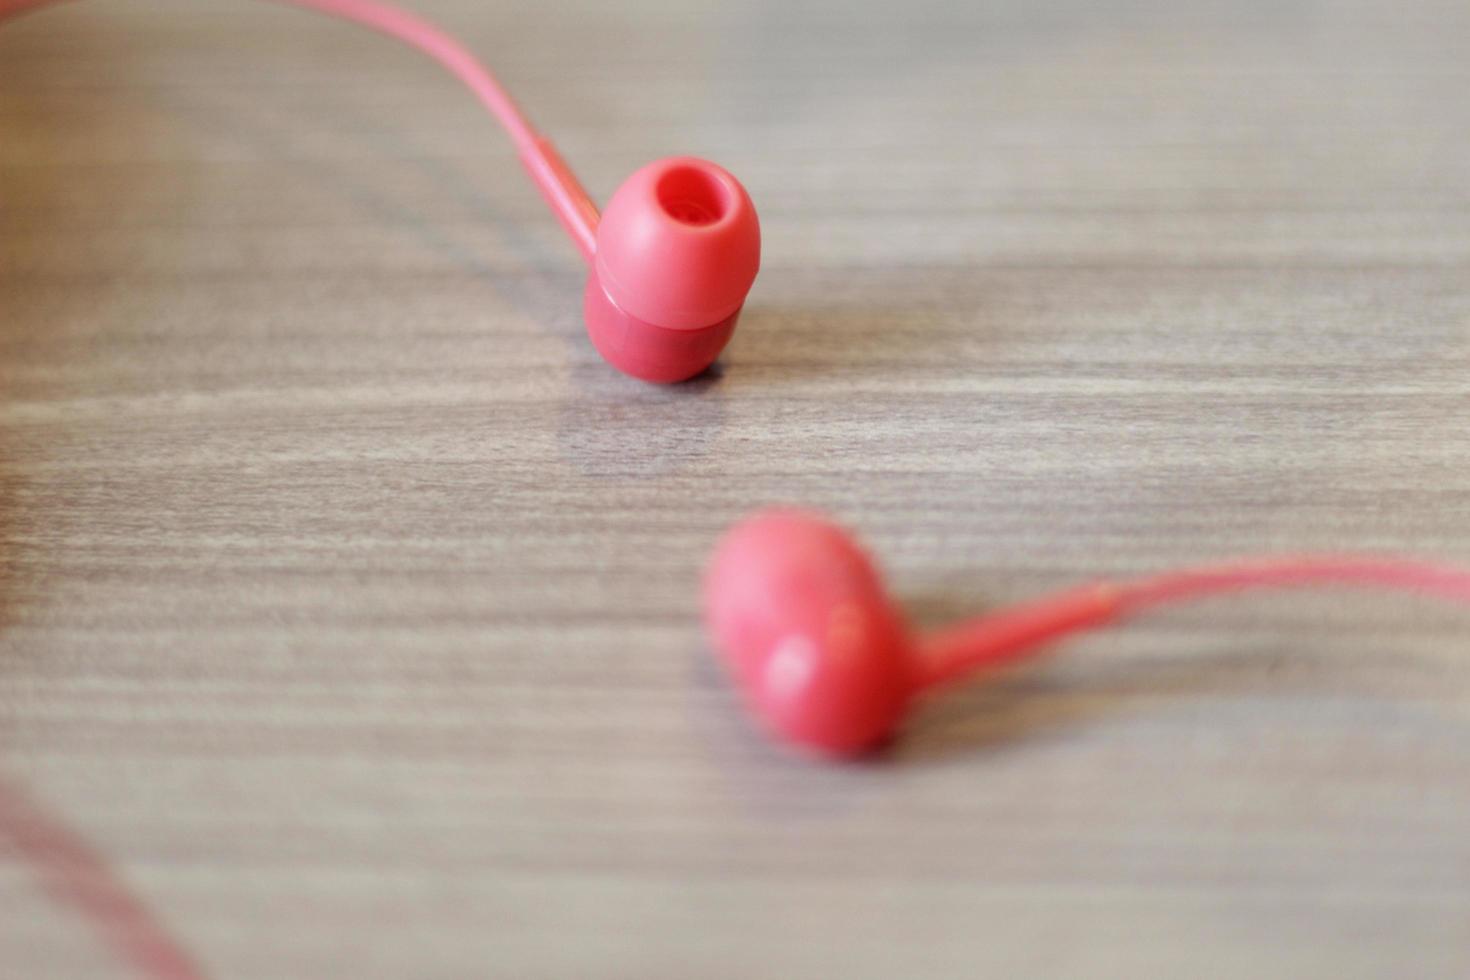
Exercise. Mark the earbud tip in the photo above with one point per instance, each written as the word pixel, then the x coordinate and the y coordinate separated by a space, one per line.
pixel 678 245
pixel 803 623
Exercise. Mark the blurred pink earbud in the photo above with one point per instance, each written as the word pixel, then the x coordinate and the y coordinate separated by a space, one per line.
pixel 807 630
pixel 825 661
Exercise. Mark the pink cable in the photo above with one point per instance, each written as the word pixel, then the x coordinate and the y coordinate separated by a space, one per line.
pixel 558 185
pixel 1425 578
pixel 74 874
pixel 1024 630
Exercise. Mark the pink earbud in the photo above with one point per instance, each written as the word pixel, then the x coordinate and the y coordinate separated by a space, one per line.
pixel 824 659
pixel 671 260
pixel 808 632
pixel 678 247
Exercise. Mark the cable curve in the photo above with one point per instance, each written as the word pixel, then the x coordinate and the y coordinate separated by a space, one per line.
pixel 71 870
pixel 74 874
pixel 564 194
pixel 1024 630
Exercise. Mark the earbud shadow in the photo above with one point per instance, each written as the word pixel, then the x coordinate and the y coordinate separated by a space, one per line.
pixel 615 428
pixel 823 328
pixel 764 778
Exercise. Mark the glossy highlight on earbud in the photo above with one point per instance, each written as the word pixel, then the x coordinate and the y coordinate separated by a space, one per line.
pixel 800 616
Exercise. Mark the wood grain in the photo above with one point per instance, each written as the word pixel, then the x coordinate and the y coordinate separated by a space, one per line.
pixel 347 600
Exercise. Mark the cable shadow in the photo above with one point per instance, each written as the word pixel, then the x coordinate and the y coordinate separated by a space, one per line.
pixel 1028 705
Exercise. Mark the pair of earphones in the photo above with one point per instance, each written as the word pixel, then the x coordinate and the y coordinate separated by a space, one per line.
pixel 794 605
pixel 792 602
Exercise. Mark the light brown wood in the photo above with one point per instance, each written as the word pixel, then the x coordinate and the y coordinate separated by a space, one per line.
pixel 348 601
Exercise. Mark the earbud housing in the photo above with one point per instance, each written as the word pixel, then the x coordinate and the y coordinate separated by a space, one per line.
pixel 802 621
pixel 677 249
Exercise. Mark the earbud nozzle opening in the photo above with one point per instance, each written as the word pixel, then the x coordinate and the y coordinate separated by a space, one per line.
pixel 694 195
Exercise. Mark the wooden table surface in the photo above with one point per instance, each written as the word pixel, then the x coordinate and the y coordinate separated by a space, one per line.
pixel 348 600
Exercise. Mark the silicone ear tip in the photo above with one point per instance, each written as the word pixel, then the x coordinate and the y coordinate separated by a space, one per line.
pixel 678 245
pixel 801 618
